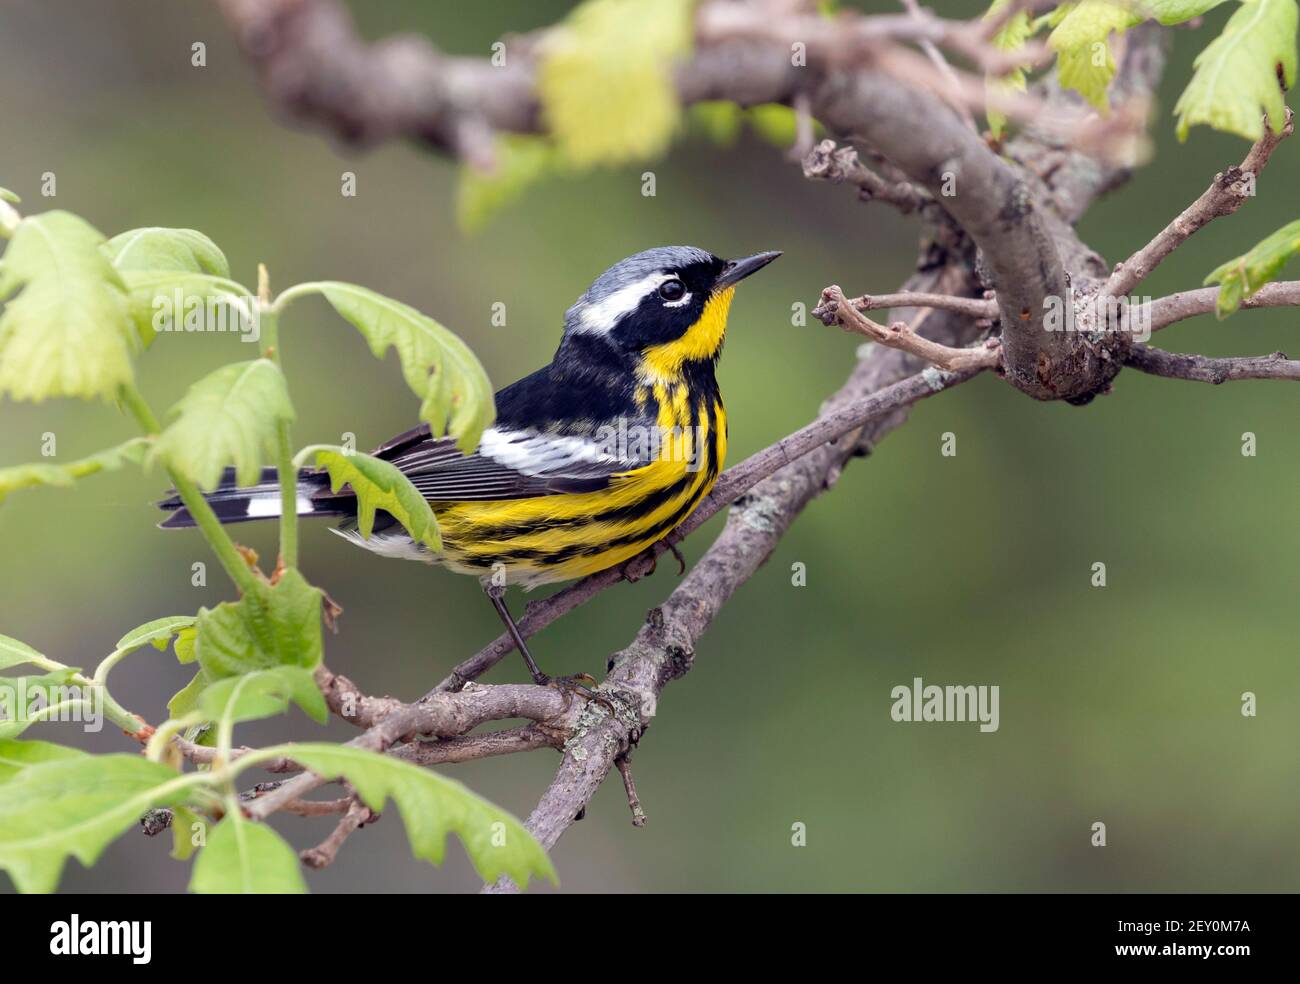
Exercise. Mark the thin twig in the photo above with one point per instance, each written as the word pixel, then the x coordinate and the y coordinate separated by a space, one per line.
pixel 324 853
pixel 624 765
pixel 1203 369
pixel 1226 194
pixel 827 162
pixel 1165 311
pixel 901 336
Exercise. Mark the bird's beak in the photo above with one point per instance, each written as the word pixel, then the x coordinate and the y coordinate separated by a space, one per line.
pixel 737 270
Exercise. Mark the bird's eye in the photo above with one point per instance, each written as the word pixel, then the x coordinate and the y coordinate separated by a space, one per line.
pixel 672 290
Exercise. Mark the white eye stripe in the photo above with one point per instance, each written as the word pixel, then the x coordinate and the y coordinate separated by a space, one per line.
pixel 602 316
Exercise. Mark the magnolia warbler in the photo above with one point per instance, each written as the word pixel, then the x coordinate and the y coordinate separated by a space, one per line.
pixel 592 459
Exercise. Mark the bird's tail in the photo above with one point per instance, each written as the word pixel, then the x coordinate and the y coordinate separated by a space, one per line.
pixel 234 504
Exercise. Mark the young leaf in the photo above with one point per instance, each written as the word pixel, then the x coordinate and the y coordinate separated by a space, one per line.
pixel 15 653
pixel 1236 82
pixel 276 626
pixel 24 698
pixel 521 160
pixel 67 332
pixel 378 485
pixel 159 632
pixel 76 806
pixel 1012 36
pixel 157 248
pixel 431 807
pixel 605 79
pixel 1169 12
pixel 1084 60
pixel 18 755
pixel 245 858
pixel 438 366
pixel 1241 277
pixel 229 416
pixel 183 821
pixel 167 300
pixel 262 694
pixel 26 476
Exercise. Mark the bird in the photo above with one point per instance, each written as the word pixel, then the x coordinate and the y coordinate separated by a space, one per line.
pixel 591 460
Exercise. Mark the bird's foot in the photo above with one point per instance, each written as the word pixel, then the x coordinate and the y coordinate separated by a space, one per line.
pixel 647 561
pixel 580 684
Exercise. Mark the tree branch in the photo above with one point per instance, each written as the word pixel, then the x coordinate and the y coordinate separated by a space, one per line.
pixel 1203 369
pixel 1165 311
pixel 1226 194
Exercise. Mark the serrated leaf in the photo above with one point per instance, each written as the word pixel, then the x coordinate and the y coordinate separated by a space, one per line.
pixel 1081 41
pixel 263 694
pixel 605 79
pixel 185 301
pixel 18 755
pixel 15 653
pixel 433 806
pixel 67 332
pixel 378 485
pixel 40 473
pixel 521 161
pixel 276 626
pixel 438 367
pixel 159 632
pixel 1235 84
pixel 1242 276
pixel 76 806
pixel 246 858
pixel 159 248
pixel 231 416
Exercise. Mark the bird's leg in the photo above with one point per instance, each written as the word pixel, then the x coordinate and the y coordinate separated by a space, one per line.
pixel 496 594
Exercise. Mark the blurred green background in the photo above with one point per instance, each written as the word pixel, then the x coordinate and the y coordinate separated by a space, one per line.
pixel 1119 704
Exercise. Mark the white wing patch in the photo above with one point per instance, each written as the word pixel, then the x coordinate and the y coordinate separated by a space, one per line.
pixel 535 454
pixel 601 317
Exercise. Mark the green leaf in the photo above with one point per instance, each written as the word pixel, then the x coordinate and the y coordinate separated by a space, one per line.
pixel 245 858
pixel 717 119
pixel 15 653
pixel 24 698
pixel 1084 61
pixel 1236 79
pixel 378 485
pixel 185 301
pixel 605 79
pixel 27 476
pixel 9 196
pixel 67 333
pixel 18 755
pixel 183 821
pixel 262 694
pixel 431 807
pixel 1012 36
pixel 159 632
pixel 184 648
pixel 440 368
pixel 186 699
pixel 521 161
pixel 230 416
pixel 773 122
pixel 1169 12
pixel 76 806
pixel 1242 276
pixel 158 248
pixel 275 626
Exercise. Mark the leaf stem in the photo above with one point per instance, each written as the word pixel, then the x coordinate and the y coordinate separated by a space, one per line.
pixel 270 328
pixel 207 521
